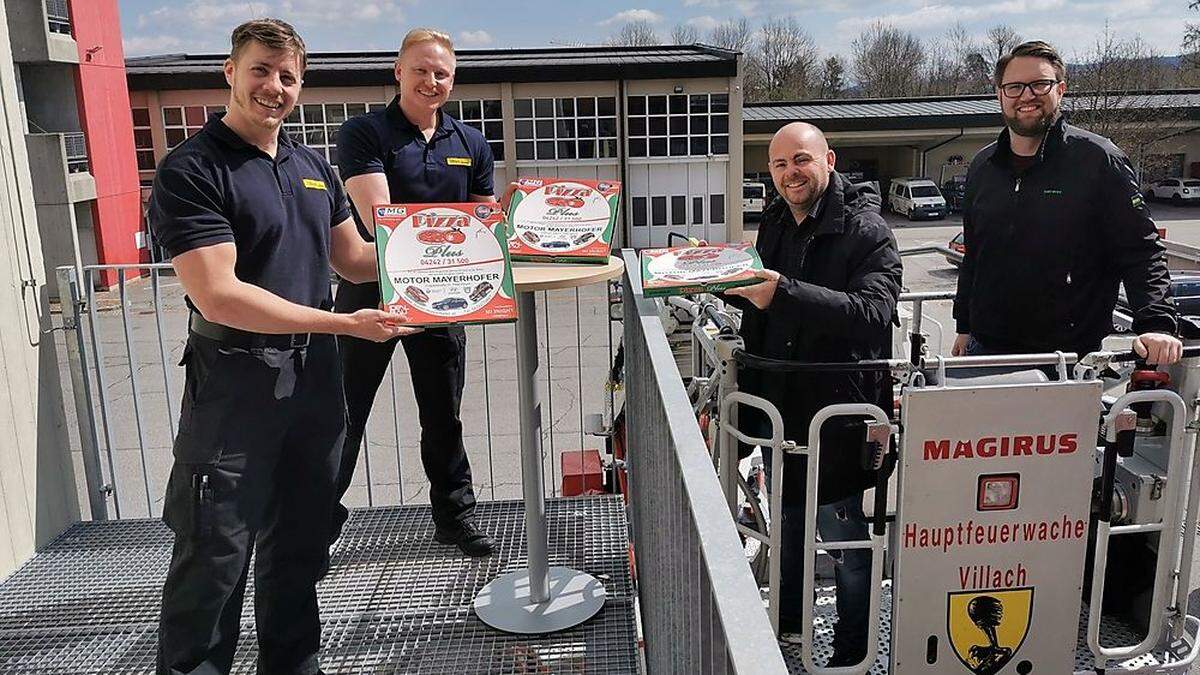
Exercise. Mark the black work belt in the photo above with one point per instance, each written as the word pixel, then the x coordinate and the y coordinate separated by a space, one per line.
pixel 245 339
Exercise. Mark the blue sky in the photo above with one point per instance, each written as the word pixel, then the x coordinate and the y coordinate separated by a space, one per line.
pixel 158 26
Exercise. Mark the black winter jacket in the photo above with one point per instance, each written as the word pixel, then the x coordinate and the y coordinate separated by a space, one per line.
pixel 838 306
pixel 1047 250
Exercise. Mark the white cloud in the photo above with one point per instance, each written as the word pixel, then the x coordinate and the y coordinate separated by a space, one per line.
pixel 141 45
pixel 631 15
pixel 324 11
pixel 703 23
pixel 474 38
pixel 745 7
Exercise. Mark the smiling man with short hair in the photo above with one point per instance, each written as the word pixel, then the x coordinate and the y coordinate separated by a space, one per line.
pixel 1053 222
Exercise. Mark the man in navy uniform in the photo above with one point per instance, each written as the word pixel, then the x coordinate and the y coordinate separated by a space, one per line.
pixel 412 152
pixel 253 222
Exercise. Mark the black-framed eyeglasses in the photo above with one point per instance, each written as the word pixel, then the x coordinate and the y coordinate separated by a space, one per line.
pixel 1038 87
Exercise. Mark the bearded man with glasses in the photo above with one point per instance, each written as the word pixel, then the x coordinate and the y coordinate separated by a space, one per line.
pixel 1053 223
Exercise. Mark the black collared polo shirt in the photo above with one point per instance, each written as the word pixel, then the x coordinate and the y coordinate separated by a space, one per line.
pixel 455 163
pixel 278 212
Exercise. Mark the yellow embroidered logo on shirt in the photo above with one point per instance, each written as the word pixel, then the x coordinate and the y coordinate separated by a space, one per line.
pixel 314 184
pixel 458 161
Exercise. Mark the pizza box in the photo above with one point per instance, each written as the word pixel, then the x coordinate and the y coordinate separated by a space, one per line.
pixel 563 219
pixel 442 264
pixel 684 270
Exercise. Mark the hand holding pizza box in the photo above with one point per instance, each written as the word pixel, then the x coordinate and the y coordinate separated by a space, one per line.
pixel 562 219
pixel 684 270
pixel 443 264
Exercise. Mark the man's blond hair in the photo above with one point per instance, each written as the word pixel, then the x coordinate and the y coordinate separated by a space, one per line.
pixel 271 33
pixel 418 36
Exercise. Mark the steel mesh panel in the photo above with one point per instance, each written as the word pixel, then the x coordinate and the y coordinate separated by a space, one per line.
pixel 394 600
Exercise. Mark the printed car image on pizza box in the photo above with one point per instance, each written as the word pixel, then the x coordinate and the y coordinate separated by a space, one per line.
pixel 444 263
pixel 563 219
pixel 698 269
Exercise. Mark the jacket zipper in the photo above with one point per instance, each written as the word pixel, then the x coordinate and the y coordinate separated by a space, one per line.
pixel 1017 188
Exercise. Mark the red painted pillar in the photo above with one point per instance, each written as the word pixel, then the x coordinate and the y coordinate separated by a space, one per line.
pixel 105 116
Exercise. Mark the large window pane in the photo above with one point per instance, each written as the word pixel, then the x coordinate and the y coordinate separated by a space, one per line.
pixel 472 110
pixel 543 107
pixel 294 116
pixel 566 128
pixel 658 147
pixel 141 117
pixel 523 107
pixel 679 126
pixel 545 150
pixel 314 137
pixel 697 210
pixel 145 160
pixel 566 149
pixel 587 128
pixel 656 105
pixel 679 104
pixel 637 105
pixel 173 117
pixel 524 128
pixel 637 147
pixel 587 149
pixel 586 106
pixel 453 109
pixel 564 107
pixel 678 210
pixel 679 146
pixel 699 145
pixel 720 103
pixel 637 126
pixel 142 139
pixel 355 109
pixel 194 114
pixel 720 124
pixel 335 113
pixel 699 103
pixel 607 127
pixel 524 150
pixel 175 137
pixel 497 150
pixel 606 105
pixel 492 110
pixel 658 126
pixel 699 124
pixel 608 148
pixel 313 113
pixel 720 145
pixel 493 131
pixel 544 128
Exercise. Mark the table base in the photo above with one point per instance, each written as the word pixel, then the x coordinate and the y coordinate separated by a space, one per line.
pixel 504 602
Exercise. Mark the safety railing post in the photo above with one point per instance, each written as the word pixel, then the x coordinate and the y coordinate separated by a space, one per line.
pixel 727 446
pixel 72 317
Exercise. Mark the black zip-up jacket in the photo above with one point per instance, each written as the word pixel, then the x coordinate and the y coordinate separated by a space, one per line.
pixel 836 301
pixel 1045 251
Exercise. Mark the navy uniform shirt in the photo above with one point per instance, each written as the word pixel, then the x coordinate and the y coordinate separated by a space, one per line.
pixel 278 212
pixel 453 164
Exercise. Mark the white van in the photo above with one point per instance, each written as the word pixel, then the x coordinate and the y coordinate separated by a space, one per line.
pixel 754 198
pixel 916 198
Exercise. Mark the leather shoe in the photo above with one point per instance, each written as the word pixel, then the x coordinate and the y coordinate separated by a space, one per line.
pixel 467 537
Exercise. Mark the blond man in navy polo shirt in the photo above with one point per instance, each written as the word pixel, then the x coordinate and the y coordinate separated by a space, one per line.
pixel 412 152
pixel 253 222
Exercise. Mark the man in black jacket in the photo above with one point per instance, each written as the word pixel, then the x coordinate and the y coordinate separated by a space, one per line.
pixel 832 279
pixel 1053 221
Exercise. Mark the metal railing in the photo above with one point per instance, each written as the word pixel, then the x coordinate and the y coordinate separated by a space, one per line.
pixel 123 346
pixel 701 608
pixel 76 149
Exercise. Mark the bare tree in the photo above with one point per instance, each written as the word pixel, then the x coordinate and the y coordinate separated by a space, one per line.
pixel 952 64
pixel 887 61
pixel 833 78
pixel 783 62
pixel 635 34
pixel 732 35
pixel 1111 82
pixel 684 34
pixel 1191 46
pixel 1001 38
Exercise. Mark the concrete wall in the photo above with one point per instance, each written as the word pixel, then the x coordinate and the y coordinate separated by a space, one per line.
pixel 37 490
pixel 50 97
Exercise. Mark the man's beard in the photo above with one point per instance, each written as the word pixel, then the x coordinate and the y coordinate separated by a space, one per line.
pixel 253 115
pixel 1033 128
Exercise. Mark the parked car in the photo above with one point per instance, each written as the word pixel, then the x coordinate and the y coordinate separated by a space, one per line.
pixel 557 243
pixel 584 238
pixel 449 304
pixel 959 246
pixel 916 198
pixel 754 199
pixel 1185 287
pixel 481 291
pixel 416 294
pixel 1178 190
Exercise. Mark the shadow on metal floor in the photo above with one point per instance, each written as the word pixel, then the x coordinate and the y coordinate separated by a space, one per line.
pixel 394 601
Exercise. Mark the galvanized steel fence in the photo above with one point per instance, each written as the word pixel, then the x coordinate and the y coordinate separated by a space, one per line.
pixel 124 343
pixel 701 608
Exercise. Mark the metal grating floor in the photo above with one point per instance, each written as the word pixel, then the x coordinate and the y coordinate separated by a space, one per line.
pixel 1112 633
pixel 394 601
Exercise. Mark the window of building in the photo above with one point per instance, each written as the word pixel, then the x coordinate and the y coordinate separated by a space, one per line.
pixel 678 125
pixel 716 208
pixel 678 210
pixel 697 210
pixel 181 122
pixel 485 115
pixel 582 127
pixel 143 141
pixel 317 124
pixel 639 211
pixel 658 211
